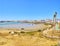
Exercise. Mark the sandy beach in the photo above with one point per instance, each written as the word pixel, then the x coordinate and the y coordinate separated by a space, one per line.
pixel 26 38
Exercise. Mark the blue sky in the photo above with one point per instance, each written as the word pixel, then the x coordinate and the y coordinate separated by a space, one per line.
pixel 28 9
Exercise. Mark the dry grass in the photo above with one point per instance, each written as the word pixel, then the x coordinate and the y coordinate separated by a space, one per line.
pixel 54 33
pixel 26 39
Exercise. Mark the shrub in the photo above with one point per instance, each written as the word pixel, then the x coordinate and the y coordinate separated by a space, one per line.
pixel 22 32
pixel 39 30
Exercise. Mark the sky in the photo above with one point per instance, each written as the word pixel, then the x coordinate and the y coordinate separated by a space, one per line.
pixel 29 9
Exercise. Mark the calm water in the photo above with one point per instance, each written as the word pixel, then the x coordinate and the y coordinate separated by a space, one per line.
pixel 15 25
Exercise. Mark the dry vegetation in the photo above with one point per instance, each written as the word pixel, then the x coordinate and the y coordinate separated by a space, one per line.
pixel 54 33
pixel 34 38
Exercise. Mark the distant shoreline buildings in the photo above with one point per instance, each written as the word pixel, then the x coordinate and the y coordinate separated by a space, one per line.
pixel 36 21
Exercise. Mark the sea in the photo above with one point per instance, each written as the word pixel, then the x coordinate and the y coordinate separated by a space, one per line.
pixel 15 25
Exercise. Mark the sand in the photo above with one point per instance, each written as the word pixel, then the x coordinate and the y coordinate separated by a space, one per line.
pixel 30 37
pixel 34 38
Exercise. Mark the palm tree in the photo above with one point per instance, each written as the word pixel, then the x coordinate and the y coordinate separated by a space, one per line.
pixel 54 19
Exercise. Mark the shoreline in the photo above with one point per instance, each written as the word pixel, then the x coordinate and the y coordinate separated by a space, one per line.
pixel 37 26
pixel 31 38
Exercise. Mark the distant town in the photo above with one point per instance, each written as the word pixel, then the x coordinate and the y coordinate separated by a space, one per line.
pixel 33 21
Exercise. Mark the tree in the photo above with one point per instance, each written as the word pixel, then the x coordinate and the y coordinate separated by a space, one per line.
pixel 55 14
